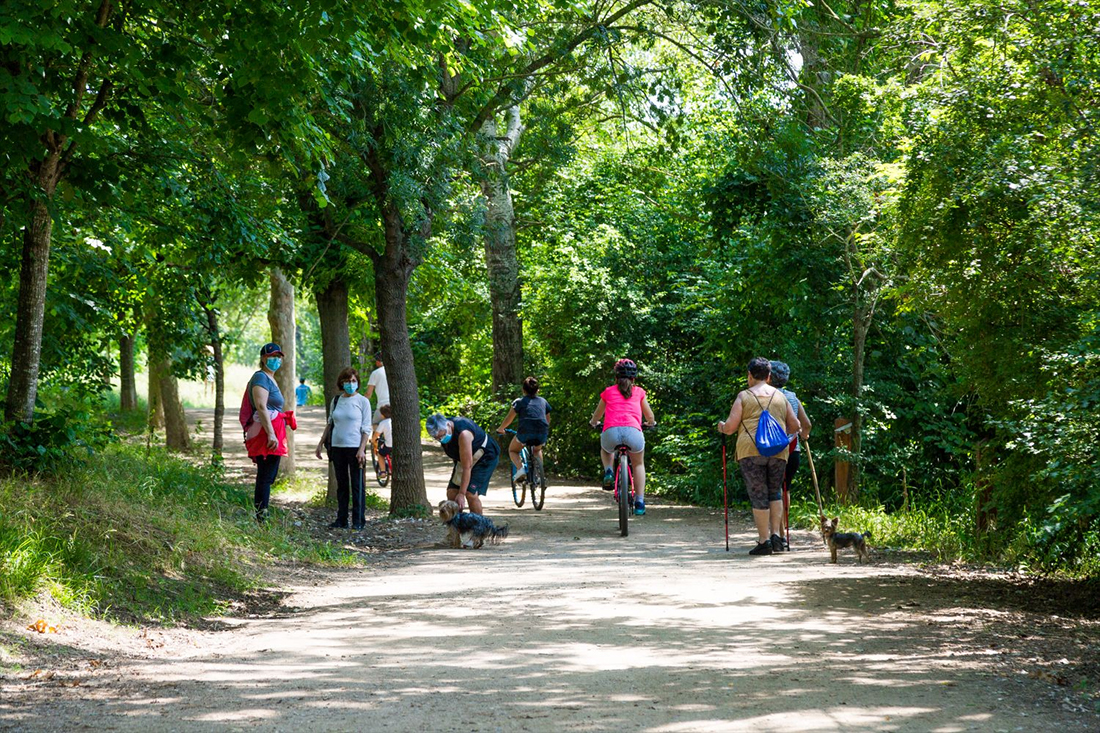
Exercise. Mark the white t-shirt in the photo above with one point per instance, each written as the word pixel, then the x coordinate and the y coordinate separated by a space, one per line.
pixel 381 386
pixel 350 421
pixel 386 428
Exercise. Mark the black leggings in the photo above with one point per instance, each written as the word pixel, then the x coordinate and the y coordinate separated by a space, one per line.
pixel 267 469
pixel 792 468
pixel 349 479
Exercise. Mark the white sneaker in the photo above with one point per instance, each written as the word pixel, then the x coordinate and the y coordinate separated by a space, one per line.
pixel 520 475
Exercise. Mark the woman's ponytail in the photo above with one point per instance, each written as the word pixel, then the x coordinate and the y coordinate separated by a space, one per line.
pixel 626 386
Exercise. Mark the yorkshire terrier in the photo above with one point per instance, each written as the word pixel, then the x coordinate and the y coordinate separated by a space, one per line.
pixel 478 527
pixel 842 540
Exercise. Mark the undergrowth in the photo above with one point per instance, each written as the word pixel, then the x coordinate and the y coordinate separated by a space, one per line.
pixel 131 537
pixel 949 534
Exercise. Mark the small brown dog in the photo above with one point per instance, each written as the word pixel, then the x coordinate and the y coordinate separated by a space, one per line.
pixel 841 540
pixel 477 527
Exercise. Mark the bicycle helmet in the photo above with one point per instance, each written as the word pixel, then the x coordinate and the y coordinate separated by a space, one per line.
pixel 626 368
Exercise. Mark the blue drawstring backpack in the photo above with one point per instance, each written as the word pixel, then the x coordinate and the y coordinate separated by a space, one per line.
pixel 771 438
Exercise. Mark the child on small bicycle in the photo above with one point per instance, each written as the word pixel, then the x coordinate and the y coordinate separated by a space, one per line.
pixel 622 407
pixel 533 428
pixel 385 436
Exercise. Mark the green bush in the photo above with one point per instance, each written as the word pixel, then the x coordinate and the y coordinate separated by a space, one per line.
pixel 53 440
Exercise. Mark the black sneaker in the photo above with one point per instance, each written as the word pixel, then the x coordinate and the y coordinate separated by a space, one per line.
pixel 778 545
pixel 764 548
pixel 338 525
pixel 358 527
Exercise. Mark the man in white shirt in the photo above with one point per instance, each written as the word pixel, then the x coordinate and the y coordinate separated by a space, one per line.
pixel 378 386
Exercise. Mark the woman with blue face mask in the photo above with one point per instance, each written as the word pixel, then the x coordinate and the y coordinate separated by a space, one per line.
pixel 475 455
pixel 349 426
pixel 268 445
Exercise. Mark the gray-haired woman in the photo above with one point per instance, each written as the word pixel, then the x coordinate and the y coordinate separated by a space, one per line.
pixel 475 455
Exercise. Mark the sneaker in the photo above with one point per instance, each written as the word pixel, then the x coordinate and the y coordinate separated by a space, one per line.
pixel 639 507
pixel 338 525
pixel 764 548
pixel 521 473
pixel 608 479
pixel 778 544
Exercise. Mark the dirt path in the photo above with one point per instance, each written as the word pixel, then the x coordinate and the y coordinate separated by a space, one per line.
pixel 568 627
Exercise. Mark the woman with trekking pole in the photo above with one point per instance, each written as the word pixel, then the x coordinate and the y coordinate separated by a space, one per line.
pixel 757 414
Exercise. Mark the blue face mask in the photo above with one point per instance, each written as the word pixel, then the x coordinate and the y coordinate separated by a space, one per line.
pixel 351 387
pixel 274 363
pixel 446 439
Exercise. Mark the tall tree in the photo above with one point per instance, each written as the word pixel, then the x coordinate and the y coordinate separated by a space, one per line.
pixel 280 316
pixel 332 311
pixel 501 259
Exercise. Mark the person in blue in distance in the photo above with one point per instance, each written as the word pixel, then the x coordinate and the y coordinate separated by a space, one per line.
pixel 302 392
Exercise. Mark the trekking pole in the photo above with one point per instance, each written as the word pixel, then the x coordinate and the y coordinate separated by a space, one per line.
pixel 725 493
pixel 787 502
pixel 817 491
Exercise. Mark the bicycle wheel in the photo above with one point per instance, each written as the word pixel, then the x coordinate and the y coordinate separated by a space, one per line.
pixel 519 491
pixel 537 480
pixel 387 471
pixel 624 495
pixel 374 463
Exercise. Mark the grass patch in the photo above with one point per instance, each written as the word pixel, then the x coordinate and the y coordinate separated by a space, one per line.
pixel 137 538
pixel 312 491
pixel 945 535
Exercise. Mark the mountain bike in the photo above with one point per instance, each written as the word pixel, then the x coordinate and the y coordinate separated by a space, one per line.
pixel 623 483
pixel 535 479
pixel 383 465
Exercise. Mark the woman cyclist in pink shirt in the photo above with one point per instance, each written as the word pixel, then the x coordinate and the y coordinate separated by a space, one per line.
pixel 622 407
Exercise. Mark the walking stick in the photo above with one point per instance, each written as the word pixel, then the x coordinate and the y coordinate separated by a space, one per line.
pixel 817 490
pixel 725 494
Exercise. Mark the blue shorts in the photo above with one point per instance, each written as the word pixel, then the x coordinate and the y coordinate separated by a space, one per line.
pixel 532 438
pixel 480 473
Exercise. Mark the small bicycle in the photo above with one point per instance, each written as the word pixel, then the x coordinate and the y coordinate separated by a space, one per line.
pixel 535 479
pixel 623 483
pixel 383 465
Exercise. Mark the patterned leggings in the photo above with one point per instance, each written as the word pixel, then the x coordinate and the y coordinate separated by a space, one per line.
pixel 763 479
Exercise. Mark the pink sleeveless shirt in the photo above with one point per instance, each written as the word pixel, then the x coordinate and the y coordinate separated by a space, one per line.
pixel 622 412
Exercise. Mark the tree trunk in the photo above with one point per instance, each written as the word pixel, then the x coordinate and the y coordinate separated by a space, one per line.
pixel 156 404
pixel 280 316
pixel 501 260
pixel 365 349
pixel 176 434
pixel 332 311
pixel 861 324
pixel 128 383
pixel 30 313
pixel 219 381
pixel 391 282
